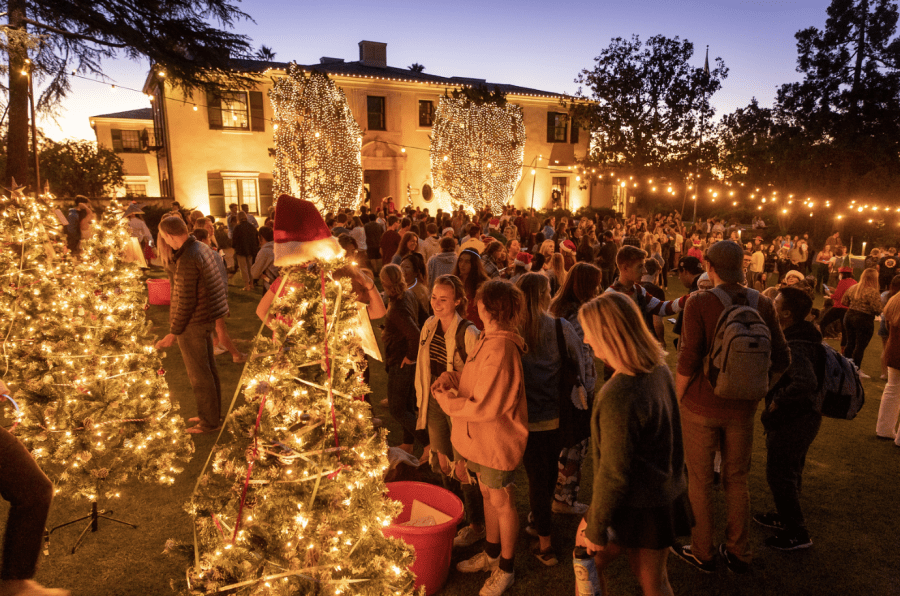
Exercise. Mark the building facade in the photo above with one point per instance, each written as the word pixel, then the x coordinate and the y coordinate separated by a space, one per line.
pixel 130 134
pixel 219 149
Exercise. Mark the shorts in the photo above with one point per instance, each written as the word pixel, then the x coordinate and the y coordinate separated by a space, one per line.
pixel 490 477
pixel 653 528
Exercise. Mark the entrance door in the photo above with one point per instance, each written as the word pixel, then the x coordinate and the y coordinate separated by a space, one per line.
pixel 377 184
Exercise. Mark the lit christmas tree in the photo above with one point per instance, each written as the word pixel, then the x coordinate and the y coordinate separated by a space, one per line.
pixel 477 148
pixel 294 501
pixel 77 353
pixel 318 143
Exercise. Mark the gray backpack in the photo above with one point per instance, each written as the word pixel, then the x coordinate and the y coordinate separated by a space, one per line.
pixel 738 364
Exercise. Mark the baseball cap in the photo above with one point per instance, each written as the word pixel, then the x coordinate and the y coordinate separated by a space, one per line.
pixel 690 264
pixel 727 258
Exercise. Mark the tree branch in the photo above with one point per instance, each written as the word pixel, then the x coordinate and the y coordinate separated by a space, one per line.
pixel 74 35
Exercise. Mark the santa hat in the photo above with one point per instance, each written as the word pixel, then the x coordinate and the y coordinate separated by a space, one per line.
pixel 523 259
pixel 568 245
pixel 494 222
pixel 301 234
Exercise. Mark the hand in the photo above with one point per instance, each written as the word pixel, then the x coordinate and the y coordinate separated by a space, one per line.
pixel 3 388
pixel 165 342
pixel 407 361
pixel 581 539
pixel 773 406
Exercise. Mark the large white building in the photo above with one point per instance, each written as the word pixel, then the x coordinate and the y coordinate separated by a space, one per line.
pixel 129 134
pixel 218 149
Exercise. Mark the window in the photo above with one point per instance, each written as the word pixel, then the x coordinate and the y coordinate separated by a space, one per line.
pixel 559 193
pixel 127 141
pixel 376 112
pixel 426 113
pixel 235 111
pixel 135 190
pixel 243 192
pixel 573 133
pixel 556 127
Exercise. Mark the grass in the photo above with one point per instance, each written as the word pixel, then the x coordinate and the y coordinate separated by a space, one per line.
pixel 848 499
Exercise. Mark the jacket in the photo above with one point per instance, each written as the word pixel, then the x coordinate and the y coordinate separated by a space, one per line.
pixel 401 330
pixel 542 367
pixel 423 362
pixel 200 294
pixel 490 416
pixel 245 240
pixel 795 392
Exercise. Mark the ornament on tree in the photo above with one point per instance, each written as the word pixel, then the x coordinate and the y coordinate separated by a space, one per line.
pixel 272 510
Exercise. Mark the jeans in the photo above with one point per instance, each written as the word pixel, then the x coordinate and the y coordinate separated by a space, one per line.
pixel 889 410
pixel 835 314
pixel 702 437
pixel 29 493
pixel 540 460
pixel 821 275
pixel 859 327
pixel 401 394
pixel 607 277
pixel 787 447
pixel 196 345
pixel 245 262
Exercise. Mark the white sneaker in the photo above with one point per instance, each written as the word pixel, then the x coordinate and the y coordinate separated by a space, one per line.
pixel 497 583
pixel 467 537
pixel 863 375
pixel 480 562
pixel 575 508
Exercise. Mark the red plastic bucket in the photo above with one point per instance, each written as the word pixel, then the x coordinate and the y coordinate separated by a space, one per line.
pixel 159 291
pixel 433 544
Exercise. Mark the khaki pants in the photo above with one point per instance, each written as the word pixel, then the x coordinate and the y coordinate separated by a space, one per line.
pixel 702 437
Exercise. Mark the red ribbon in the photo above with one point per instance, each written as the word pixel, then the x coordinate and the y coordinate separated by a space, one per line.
pixel 253 457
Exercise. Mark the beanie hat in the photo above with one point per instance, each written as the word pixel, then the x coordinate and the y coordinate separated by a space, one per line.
pixel 301 234
pixel 796 274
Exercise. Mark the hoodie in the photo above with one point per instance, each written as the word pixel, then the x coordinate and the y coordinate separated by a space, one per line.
pixel 489 412
pixel 795 392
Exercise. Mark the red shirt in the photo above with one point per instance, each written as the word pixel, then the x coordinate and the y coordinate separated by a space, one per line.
pixel 843 286
pixel 390 242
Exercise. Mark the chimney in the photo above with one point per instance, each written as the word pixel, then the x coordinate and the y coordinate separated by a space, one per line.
pixel 327 60
pixel 373 53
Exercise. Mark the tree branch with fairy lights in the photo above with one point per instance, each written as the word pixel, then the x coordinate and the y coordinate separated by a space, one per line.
pixel 318 144
pixel 477 148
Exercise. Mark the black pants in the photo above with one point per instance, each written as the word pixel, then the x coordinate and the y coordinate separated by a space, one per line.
pixel 608 275
pixel 859 328
pixel 821 276
pixel 29 493
pixel 787 447
pixel 540 460
pixel 835 314
pixel 401 394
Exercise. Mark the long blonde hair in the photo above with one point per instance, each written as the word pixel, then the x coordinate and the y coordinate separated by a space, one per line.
pixel 613 321
pixel 869 278
pixel 558 267
pixel 535 287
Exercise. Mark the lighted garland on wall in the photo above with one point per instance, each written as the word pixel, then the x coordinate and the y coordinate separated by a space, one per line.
pixel 318 144
pixel 94 404
pixel 477 152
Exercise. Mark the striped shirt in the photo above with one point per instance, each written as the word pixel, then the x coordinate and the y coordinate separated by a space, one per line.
pixel 437 352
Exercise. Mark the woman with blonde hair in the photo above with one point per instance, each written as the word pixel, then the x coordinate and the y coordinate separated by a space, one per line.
pixel 556 271
pixel 166 253
pixel 889 410
pixel 863 302
pixel 639 504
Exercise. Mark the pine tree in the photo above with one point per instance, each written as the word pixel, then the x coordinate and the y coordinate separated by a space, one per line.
pixel 294 501
pixel 95 406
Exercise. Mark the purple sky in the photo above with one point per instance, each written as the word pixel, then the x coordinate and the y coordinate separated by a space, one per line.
pixel 534 44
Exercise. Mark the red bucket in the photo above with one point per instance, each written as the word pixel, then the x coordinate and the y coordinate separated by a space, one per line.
pixel 159 292
pixel 433 544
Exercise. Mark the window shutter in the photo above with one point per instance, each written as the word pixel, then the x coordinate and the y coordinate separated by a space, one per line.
pixel 117 140
pixel 551 127
pixel 214 111
pixel 257 120
pixel 573 134
pixel 265 196
pixel 216 196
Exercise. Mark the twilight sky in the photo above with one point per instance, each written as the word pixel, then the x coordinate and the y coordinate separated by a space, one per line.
pixel 535 44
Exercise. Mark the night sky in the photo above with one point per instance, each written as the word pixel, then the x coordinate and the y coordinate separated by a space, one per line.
pixel 541 45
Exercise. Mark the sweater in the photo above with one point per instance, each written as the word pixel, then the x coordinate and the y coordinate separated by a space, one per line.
pixel 862 299
pixel 440 264
pixel 489 411
pixel 637 448
pixel 200 294
pixel 701 313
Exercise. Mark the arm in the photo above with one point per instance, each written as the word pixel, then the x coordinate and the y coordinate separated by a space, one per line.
pixel 260 265
pixel 187 277
pixel 691 346
pixel 262 309
pixel 494 393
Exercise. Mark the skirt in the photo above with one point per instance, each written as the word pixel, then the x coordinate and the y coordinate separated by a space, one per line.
pixel 653 528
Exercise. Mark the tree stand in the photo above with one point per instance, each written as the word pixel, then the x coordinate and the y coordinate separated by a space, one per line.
pixel 93 525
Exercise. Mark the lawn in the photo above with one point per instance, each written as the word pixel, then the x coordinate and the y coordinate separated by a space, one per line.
pixel 848 501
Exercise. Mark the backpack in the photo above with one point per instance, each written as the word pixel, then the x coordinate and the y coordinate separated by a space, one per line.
pixel 461 338
pixel 841 394
pixel 738 364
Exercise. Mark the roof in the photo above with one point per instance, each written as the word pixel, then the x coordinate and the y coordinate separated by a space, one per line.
pixel 139 114
pixel 358 69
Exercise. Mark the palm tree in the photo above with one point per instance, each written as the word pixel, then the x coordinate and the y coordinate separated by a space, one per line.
pixel 416 67
pixel 265 54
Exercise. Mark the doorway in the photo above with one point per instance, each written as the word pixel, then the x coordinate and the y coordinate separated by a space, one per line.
pixel 378 186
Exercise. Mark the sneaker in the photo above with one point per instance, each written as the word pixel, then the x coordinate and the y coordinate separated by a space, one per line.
pixel 219 349
pixel 575 508
pixel 497 583
pixel 789 540
pixel 547 557
pixel 480 562
pixel 863 375
pixel 769 520
pixel 685 554
pixel 467 537
pixel 531 531
pixel 734 564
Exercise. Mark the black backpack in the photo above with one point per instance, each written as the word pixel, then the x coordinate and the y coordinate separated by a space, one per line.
pixel 461 338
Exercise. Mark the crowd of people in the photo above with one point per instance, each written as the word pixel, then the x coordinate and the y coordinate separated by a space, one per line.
pixel 492 328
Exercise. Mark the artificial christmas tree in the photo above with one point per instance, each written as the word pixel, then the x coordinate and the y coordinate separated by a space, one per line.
pixel 294 500
pixel 94 404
